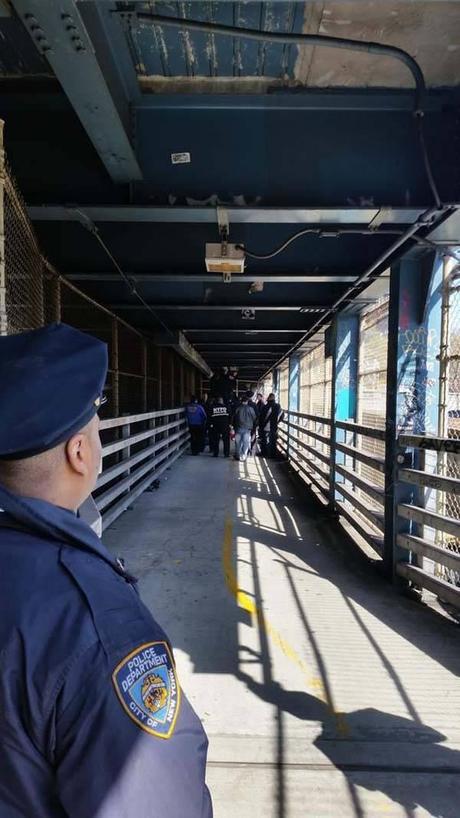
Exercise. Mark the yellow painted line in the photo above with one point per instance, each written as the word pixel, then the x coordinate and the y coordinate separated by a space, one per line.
pixel 245 602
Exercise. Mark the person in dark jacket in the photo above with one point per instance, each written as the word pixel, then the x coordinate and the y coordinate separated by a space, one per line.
pixel 197 419
pixel 252 403
pixel 93 721
pixel 260 402
pixel 270 416
pixel 219 427
pixel 244 422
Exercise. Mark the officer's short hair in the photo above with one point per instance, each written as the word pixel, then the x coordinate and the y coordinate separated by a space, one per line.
pixel 21 475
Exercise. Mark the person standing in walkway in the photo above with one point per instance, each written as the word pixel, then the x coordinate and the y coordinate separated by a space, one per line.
pixel 197 419
pixel 270 417
pixel 219 427
pixel 253 404
pixel 260 402
pixel 244 422
pixel 93 721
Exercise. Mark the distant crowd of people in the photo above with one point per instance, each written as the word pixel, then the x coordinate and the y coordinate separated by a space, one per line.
pixel 251 421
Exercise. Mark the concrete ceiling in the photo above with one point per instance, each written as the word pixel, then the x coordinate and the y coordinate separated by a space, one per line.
pixel 91 138
pixel 171 61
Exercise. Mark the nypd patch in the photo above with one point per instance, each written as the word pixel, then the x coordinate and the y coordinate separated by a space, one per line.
pixel 147 686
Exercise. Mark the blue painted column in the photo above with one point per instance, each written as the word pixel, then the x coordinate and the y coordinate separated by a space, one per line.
pixel 344 387
pixel 294 384
pixel 412 312
pixel 293 394
pixel 276 381
pixel 429 367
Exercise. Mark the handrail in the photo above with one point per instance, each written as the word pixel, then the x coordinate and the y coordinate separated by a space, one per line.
pixel 113 423
pixel 425 517
pixel 366 431
pixel 347 479
pixel 111 448
pixel 316 418
pixel 434 481
pixel 126 475
pixel 310 433
pixel 371 489
pixel 374 461
pixel 436 444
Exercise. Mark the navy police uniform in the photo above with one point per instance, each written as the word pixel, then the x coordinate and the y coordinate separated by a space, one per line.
pixel 219 427
pixel 93 722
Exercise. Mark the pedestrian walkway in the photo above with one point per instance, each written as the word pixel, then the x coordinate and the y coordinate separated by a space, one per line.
pixel 324 693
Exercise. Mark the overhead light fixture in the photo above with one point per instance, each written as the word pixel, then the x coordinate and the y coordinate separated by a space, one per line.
pixel 224 258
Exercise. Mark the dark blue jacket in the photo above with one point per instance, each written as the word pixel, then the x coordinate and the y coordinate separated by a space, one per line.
pixel 92 721
pixel 196 415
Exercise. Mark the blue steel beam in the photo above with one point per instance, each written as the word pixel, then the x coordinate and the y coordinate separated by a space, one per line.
pixel 58 31
pixel 372 217
pixel 311 99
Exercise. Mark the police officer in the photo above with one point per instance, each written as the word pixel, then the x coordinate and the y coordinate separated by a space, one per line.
pixel 270 416
pixel 219 427
pixel 93 721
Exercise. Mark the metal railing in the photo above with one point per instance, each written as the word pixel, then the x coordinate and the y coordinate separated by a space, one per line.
pixel 431 538
pixel 328 456
pixel 136 450
pixel 305 439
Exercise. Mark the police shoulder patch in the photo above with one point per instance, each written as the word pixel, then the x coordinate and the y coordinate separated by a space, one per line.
pixel 146 683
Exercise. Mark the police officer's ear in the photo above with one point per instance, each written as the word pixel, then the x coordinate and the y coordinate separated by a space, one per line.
pixel 77 453
pixel 83 450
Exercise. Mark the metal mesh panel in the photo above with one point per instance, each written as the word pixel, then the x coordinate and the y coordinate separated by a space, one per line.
pixel 32 294
pixel 23 265
pixel 372 385
pixel 448 465
pixel 315 397
pixel 283 390
pixel 315 383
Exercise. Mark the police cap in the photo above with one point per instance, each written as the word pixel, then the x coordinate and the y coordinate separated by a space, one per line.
pixel 51 386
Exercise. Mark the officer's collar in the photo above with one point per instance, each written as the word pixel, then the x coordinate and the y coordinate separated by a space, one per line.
pixel 56 523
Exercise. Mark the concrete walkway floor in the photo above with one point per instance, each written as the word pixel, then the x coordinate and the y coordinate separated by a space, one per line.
pixel 324 693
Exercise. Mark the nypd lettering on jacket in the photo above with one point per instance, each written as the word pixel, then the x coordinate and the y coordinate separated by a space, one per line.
pixel 146 684
pixel 219 412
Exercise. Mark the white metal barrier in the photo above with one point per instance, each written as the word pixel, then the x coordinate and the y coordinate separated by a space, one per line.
pixel 434 538
pixel 333 466
pixel 138 450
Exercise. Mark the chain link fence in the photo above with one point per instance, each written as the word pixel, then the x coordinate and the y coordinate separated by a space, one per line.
pixel 448 465
pixel 24 268
pixel 141 377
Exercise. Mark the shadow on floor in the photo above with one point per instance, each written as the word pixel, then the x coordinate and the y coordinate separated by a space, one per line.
pixel 384 770
pixel 373 727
